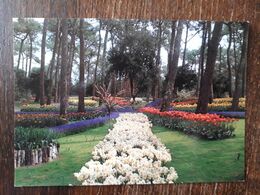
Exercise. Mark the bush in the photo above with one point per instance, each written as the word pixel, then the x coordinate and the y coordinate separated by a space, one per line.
pixel 198 128
pixel 28 138
pixel 39 120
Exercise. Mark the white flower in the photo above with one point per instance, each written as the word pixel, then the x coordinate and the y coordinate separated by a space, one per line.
pixel 129 154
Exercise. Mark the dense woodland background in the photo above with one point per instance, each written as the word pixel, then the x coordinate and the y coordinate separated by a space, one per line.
pixel 127 55
pixel 220 10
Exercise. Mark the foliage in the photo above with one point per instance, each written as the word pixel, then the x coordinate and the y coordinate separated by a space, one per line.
pixel 186 78
pixel 31 138
pixel 21 84
pixel 133 57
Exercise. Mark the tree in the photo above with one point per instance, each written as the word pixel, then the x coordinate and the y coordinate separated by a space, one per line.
pixel 51 67
pixel 173 59
pixel 206 84
pixel 240 68
pixel 133 58
pixel 64 66
pixel 228 59
pixel 98 57
pixel 42 91
pixel 81 105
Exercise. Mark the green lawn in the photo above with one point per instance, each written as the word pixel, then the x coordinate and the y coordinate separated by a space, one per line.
pixel 195 160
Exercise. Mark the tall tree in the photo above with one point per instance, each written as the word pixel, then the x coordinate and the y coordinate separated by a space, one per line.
pixel 240 68
pixel 54 51
pixel 158 59
pixel 206 84
pixel 72 48
pixel 42 91
pixel 81 92
pixel 98 57
pixel 173 60
pixel 187 23
pixel 64 67
pixel 103 59
pixel 228 59
pixel 202 57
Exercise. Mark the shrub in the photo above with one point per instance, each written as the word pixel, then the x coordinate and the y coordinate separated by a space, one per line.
pixel 39 120
pixel 28 138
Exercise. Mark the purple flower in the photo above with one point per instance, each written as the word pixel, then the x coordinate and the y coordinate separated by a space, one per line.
pixel 155 103
pixel 230 114
pixel 77 126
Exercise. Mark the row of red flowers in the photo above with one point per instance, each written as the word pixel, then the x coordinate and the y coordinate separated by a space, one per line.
pixel 210 118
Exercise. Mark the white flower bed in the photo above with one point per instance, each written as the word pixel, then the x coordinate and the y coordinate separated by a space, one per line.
pixel 129 154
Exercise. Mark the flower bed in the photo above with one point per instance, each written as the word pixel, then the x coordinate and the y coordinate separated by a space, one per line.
pixel 208 126
pixel 39 120
pixel 82 125
pixel 87 102
pixel 218 105
pixel 129 154
pixel 49 120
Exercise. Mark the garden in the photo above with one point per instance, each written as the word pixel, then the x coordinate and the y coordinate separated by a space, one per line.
pixel 116 102
pixel 131 145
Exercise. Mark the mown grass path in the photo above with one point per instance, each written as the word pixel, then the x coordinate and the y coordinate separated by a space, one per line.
pixel 195 160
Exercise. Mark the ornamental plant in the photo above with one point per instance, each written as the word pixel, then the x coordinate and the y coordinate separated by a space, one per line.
pixel 31 138
pixel 207 126
pixel 129 154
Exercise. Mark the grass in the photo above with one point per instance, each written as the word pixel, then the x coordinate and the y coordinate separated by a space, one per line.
pixel 195 160
pixel 75 151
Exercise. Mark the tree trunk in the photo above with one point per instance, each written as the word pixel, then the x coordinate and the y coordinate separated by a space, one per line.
pixel 71 54
pixel 21 50
pixel 98 56
pixel 30 63
pixel 81 105
pixel 6 98
pixel 50 87
pixel 239 72
pixel 104 57
pixel 202 57
pixel 228 60
pixel 173 60
pixel 64 66
pixel 185 43
pixel 158 62
pixel 42 92
pixel 205 89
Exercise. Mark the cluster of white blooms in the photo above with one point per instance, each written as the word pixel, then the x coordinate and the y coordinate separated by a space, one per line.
pixel 129 154
pixel 137 100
